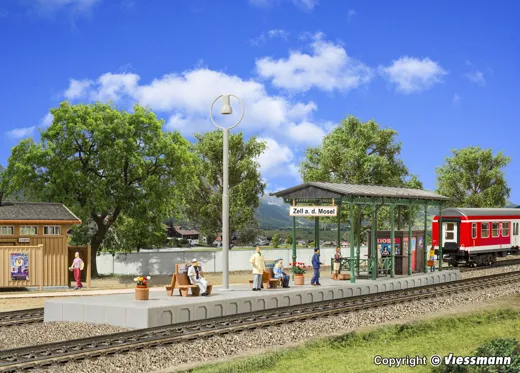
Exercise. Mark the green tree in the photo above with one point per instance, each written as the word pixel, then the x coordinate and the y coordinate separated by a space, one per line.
pixel 129 233
pixel 248 235
pixel 204 198
pixel 103 163
pixel 275 242
pixel 473 177
pixel 361 153
pixel 288 240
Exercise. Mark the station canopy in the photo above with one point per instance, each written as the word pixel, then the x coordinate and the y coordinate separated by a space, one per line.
pixel 352 193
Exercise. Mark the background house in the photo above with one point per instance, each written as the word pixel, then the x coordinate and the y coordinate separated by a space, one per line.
pixel 180 232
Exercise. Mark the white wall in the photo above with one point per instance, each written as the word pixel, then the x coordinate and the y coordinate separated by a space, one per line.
pixel 163 262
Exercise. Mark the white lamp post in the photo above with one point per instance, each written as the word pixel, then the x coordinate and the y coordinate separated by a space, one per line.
pixel 226 110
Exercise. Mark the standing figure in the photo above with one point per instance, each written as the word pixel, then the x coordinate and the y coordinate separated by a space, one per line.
pixel 195 276
pixel 315 281
pixel 77 266
pixel 257 260
pixel 431 257
pixel 337 262
pixel 279 273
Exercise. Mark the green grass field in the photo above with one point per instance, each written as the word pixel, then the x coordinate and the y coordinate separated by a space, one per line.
pixel 355 352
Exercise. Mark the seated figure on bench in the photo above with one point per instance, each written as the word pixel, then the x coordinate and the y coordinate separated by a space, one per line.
pixel 196 277
pixel 279 273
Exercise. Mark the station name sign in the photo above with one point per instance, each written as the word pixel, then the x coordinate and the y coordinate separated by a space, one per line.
pixel 313 210
pixel 24 240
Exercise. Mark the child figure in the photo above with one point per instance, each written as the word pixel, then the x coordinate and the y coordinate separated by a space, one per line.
pixel 337 262
pixel 431 257
pixel 77 266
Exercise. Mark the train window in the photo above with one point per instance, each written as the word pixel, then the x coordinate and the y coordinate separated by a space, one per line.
pixel 450 226
pixel 474 230
pixel 494 232
pixel 505 229
pixel 449 235
pixel 484 230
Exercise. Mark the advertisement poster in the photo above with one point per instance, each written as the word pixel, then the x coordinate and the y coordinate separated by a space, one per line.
pixel 383 245
pixel 420 243
pixel 19 266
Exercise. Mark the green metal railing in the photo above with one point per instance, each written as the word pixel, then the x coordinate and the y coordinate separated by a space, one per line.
pixel 384 266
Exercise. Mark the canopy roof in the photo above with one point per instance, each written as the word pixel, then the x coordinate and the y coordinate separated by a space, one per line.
pixel 326 191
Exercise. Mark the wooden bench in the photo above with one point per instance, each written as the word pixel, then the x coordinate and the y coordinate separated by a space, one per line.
pixel 267 280
pixel 182 282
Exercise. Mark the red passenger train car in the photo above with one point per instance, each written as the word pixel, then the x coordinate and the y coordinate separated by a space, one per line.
pixel 477 236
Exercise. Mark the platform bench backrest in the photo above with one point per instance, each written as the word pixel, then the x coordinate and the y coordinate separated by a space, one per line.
pixel 183 279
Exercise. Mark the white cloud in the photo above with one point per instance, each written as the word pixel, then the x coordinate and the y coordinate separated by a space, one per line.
pixel 328 68
pixel 306 133
pixel 74 5
pixel 18 133
pixel 307 5
pixel 187 97
pixel 412 75
pixel 277 160
pixel 456 99
pixel 350 15
pixel 77 89
pixel 477 77
pixel 271 34
pixel 47 120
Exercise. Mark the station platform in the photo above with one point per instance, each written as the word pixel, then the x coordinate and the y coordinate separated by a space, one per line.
pixel 123 310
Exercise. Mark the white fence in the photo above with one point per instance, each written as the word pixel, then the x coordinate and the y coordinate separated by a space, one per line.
pixel 163 262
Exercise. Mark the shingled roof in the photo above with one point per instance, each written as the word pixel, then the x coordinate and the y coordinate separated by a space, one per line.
pixel 32 211
pixel 332 190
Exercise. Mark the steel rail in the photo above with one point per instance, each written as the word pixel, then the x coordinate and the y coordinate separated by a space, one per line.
pixel 30 357
pixel 502 263
pixel 10 318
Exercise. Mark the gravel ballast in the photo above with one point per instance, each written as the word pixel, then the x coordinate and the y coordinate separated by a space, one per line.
pixel 226 346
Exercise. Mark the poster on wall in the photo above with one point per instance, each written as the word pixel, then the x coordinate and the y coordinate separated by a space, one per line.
pixel 420 243
pixel 19 266
pixel 383 244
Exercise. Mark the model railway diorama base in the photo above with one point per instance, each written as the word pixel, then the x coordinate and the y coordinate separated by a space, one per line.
pixel 123 310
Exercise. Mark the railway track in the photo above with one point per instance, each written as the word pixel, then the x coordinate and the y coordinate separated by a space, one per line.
pixel 20 359
pixel 34 315
pixel 502 263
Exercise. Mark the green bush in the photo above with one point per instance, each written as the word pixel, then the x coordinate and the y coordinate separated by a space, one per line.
pixel 495 347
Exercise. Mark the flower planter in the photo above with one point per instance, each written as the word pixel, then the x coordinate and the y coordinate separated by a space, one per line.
pixel 142 293
pixel 299 279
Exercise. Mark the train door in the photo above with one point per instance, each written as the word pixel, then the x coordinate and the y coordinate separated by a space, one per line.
pixel 515 239
pixel 450 232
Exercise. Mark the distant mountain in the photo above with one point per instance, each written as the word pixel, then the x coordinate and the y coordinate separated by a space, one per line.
pixel 274 214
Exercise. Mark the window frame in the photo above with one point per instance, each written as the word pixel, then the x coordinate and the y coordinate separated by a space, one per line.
pixel 482 230
pixel 473 231
pixel 46 227
pixel 7 226
pixel 493 229
pixel 29 234
pixel 504 223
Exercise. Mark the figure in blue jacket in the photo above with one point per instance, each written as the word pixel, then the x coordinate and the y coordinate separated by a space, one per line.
pixel 315 281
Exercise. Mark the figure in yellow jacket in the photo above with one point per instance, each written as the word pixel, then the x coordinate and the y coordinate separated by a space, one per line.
pixel 257 260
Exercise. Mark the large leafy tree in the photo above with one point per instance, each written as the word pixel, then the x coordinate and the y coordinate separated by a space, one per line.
pixel 473 177
pixel 103 163
pixel 204 199
pixel 358 152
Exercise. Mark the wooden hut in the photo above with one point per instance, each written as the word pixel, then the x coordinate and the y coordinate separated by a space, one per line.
pixel 34 244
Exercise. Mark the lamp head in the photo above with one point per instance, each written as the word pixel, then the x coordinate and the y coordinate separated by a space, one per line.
pixel 226 106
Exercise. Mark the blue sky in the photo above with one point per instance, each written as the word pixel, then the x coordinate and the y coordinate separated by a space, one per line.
pixel 444 74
